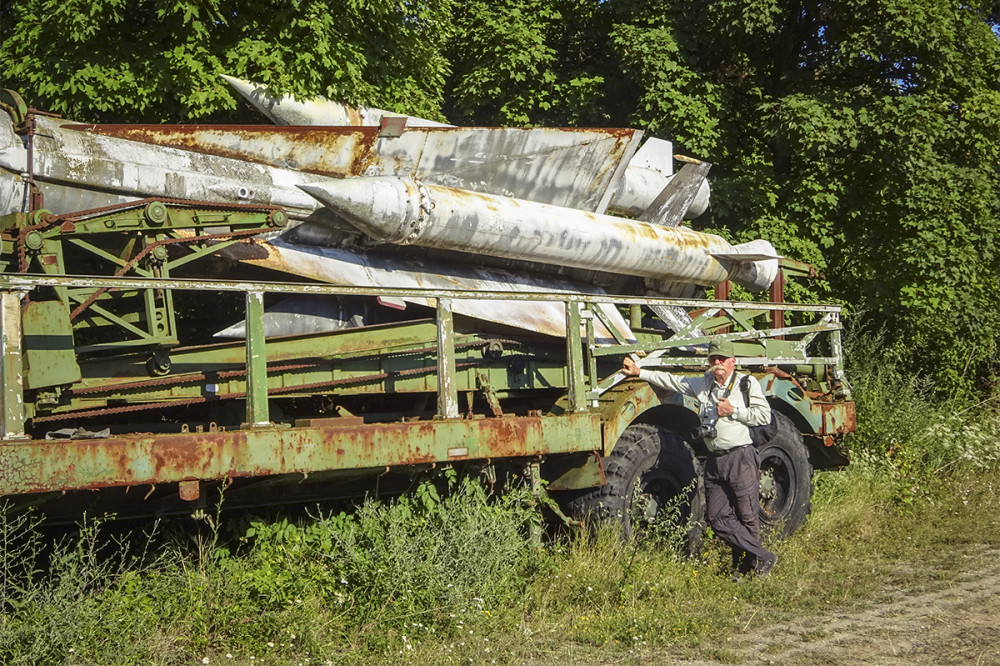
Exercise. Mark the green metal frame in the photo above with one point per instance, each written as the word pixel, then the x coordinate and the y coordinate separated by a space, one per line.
pixel 139 233
pixel 579 374
pixel 412 356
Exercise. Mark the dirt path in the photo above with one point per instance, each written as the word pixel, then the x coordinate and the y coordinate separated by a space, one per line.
pixel 953 619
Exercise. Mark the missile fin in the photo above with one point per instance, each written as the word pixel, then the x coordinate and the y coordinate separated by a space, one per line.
pixel 744 258
pixel 670 205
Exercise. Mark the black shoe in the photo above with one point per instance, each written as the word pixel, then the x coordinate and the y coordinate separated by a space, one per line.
pixel 763 567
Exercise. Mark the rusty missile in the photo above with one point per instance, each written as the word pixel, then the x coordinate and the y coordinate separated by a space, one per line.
pixel 78 169
pixel 405 211
pixel 647 173
pixel 286 110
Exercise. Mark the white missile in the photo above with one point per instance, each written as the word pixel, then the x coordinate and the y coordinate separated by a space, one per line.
pixel 287 110
pixel 648 172
pixel 405 211
pixel 78 170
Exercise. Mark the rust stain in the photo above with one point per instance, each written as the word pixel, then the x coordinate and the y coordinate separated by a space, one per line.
pixel 248 250
pixel 330 151
pixel 149 459
pixel 838 418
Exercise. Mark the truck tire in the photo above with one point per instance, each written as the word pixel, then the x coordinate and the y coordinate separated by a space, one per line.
pixel 649 468
pixel 786 480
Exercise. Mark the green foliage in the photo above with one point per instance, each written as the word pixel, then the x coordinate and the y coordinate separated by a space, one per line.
pixel 523 62
pixel 341 588
pixel 409 557
pixel 358 581
pixel 908 438
pixel 860 136
pixel 857 137
pixel 161 60
pixel 673 100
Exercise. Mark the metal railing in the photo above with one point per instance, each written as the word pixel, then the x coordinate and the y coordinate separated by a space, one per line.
pixel 582 311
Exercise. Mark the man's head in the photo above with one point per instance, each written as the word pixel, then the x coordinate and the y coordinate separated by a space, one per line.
pixel 721 359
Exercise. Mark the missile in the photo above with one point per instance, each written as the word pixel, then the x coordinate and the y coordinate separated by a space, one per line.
pixel 369 268
pixel 405 211
pixel 649 171
pixel 287 110
pixel 78 170
pixel 564 167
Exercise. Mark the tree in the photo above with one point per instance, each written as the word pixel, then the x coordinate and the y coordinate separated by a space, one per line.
pixel 855 135
pixel 524 62
pixel 160 60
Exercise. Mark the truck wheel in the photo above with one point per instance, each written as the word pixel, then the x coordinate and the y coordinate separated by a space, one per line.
pixel 785 480
pixel 649 469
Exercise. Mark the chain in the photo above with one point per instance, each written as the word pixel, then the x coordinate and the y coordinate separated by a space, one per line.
pixel 149 248
pixel 188 203
pixel 229 396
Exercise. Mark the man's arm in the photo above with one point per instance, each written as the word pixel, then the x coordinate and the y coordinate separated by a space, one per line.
pixel 659 378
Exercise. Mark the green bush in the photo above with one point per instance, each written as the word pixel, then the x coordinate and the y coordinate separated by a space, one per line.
pixel 908 434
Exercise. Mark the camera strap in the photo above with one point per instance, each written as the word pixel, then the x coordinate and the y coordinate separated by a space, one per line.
pixel 729 389
pixel 732 383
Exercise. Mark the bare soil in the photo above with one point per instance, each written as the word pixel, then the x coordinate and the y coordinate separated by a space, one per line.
pixel 952 616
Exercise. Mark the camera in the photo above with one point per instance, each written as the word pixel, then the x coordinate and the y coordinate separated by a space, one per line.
pixel 704 431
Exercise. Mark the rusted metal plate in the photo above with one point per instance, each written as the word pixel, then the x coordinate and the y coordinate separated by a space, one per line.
pixel 340 152
pixel 581 470
pixel 41 466
pixel 838 418
pixel 564 167
pixel 49 357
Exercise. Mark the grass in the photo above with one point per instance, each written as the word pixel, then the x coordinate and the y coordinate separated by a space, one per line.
pixel 449 578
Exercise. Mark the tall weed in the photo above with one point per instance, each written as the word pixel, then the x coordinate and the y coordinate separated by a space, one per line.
pixel 909 435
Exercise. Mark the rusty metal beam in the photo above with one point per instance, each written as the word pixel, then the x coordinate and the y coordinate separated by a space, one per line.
pixel 42 466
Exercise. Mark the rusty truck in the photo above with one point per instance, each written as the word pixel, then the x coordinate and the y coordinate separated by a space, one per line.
pixel 294 313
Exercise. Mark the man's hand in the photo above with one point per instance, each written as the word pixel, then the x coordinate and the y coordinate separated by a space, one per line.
pixel 725 408
pixel 629 368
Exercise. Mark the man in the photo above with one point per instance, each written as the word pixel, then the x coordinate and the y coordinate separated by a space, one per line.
pixel 732 471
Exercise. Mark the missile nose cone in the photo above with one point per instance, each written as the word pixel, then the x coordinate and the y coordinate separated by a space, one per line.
pixel 757 264
pixel 256 95
pixel 389 209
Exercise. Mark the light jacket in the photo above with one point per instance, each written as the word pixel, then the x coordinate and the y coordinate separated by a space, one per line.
pixel 733 430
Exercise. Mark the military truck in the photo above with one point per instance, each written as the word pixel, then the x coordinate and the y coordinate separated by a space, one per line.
pixel 299 313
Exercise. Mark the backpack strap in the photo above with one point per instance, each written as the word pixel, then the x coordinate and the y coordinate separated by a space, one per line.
pixel 745 390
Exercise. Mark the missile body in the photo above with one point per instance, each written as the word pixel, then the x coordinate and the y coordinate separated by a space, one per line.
pixel 78 170
pixel 564 167
pixel 407 212
pixel 368 268
pixel 287 110
pixel 641 181
pixel 13 169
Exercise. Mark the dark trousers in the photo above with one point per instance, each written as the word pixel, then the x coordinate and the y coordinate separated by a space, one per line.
pixel 732 493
